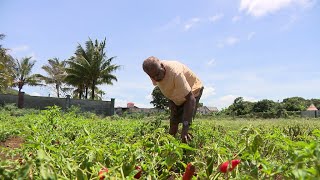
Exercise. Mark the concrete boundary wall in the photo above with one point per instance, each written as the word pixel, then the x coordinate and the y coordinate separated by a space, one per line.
pixel 105 108
pixel 312 114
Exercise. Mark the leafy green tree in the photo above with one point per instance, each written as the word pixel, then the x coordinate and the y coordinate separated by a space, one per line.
pixel 1 38
pixel 98 94
pixel 200 104
pixel 239 107
pixel 265 105
pixel 23 73
pixel 56 74
pixel 6 68
pixel 295 104
pixel 315 102
pixel 90 67
pixel 159 100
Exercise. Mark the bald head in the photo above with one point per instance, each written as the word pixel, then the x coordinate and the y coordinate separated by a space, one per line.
pixel 154 68
pixel 150 64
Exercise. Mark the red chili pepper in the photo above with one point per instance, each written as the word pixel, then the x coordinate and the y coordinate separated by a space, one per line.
pixel 190 169
pixel 138 175
pixel 224 166
pixel 102 172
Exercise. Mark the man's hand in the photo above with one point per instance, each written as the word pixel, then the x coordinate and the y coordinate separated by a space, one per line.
pixel 185 136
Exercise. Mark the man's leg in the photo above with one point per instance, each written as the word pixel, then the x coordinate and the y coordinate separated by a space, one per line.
pixel 174 123
pixel 197 102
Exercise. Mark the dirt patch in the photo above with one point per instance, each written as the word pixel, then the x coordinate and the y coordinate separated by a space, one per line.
pixel 10 143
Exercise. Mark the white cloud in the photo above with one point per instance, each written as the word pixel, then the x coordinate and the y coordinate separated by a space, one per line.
pixel 191 23
pixel 19 49
pixel 171 24
pixel 142 105
pixel 35 94
pixel 149 97
pixel 227 100
pixel 292 20
pixel 229 41
pixel 236 18
pixel 33 55
pixel 120 103
pixel 123 103
pixel 212 62
pixel 208 91
pixel 216 17
pixel 258 8
pixel 251 35
pixel 23 51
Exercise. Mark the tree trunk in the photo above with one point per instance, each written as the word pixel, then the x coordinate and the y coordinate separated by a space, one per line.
pixel 57 88
pixel 80 93
pixel 92 90
pixel 86 92
pixel 20 85
pixel 20 99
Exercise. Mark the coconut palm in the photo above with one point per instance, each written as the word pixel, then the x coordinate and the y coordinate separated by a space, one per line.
pixel 23 73
pixel 91 67
pixel 6 68
pixel 56 73
pixel 6 72
pixel 77 77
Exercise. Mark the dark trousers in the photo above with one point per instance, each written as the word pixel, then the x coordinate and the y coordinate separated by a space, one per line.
pixel 176 114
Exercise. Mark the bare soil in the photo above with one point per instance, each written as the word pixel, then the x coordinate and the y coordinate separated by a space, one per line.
pixel 9 144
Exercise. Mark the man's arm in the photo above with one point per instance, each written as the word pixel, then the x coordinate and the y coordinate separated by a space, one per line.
pixel 188 109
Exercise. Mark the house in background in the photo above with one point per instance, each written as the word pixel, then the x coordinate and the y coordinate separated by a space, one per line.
pixel 311 111
pixel 131 108
pixel 204 110
pixel 312 107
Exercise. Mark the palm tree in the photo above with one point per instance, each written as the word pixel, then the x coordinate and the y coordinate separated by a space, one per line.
pixel 1 38
pixel 6 68
pixel 6 72
pixel 23 73
pixel 77 77
pixel 91 67
pixel 56 73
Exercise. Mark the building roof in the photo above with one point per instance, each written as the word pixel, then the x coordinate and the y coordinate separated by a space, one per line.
pixel 312 107
pixel 213 108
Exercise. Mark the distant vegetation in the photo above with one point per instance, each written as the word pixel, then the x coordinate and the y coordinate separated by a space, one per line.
pixel 60 145
pixel 79 75
pixel 89 67
pixel 289 107
pixel 270 109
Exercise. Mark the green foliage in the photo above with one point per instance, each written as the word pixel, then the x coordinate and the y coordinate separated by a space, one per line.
pixel 295 104
pixel 315 102
pixel 90 67
pixel 23 73
pixel 6 68
pixel 13 110
pixel 158 99
pixel 290 107
pixel 240 107
pixel 69 146
pixel 56 74
pixel 265 106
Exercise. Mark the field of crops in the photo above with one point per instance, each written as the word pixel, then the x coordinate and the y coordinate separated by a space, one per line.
pixel 60 145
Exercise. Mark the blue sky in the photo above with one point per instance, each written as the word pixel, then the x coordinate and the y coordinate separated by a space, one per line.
pixel 257 49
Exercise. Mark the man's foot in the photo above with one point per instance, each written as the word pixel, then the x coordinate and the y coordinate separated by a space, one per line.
pixel 185 136
pixel 173 129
